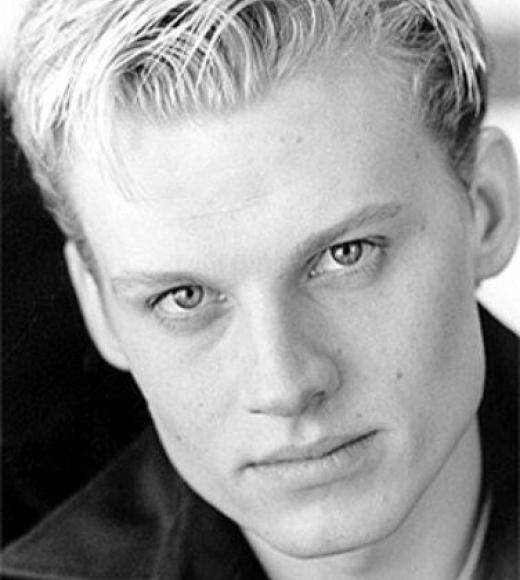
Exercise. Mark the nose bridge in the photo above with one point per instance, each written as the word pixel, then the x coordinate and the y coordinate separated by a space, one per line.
pixel 291 368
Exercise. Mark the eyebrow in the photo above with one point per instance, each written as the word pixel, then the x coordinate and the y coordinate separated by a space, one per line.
pixel 368 215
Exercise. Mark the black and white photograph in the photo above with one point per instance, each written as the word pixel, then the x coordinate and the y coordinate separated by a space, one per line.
pixel 260 289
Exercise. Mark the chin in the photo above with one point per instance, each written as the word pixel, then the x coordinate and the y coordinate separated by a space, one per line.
pixel 337 530
pixel 302 545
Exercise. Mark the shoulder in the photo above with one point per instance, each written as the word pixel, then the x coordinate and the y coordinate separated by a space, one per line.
pixel 112 528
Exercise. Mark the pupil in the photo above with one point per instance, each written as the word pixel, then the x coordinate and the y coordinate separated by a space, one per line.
pixel 188 296
pixel 347 254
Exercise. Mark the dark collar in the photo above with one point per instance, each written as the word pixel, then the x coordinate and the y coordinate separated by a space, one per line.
pixel 139 521
pixel 114 528
pixel 499 424
pixel 136 521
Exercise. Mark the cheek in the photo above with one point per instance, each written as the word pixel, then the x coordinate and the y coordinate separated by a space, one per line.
pixel 188 391
pixel 418 350
pixel 437 357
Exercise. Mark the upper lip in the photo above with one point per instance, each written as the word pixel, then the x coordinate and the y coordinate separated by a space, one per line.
pixel 314 450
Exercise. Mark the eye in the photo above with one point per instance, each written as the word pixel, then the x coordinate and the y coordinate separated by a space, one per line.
pixel 178 299
pixel 348 257
pixel 187 307
pixel 347 254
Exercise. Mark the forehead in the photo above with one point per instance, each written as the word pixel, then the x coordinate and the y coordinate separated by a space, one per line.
pixel 316 114
pixel 322 144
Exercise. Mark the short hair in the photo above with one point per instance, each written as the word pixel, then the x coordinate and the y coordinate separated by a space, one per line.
pixel 79 63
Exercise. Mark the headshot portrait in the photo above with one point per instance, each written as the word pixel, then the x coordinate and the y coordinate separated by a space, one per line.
pixel 246 332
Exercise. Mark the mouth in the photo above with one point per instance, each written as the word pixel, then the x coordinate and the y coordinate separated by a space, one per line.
pixel 323 461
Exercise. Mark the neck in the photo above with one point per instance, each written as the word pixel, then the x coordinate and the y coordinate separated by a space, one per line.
pixel 432 543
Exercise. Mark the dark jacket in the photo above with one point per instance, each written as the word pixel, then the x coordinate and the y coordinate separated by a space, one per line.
pixel 138 520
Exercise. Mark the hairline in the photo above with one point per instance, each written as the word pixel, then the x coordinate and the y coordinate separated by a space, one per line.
pixel 357 28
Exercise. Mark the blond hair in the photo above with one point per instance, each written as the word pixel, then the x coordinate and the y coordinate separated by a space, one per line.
pixel 80 62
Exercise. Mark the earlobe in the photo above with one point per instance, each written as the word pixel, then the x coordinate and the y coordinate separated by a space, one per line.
pixel 91 304
pixel 495 199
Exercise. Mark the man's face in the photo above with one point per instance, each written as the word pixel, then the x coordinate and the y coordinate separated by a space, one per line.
pixel 298 277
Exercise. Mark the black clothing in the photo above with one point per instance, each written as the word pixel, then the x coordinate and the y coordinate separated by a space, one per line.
pixel 138 520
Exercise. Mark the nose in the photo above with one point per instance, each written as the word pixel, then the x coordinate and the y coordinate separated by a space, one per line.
pixel 291 372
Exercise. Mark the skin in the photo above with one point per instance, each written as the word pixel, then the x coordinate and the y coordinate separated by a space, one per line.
pixel 289 344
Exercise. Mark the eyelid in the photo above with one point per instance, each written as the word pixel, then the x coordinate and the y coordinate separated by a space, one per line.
pixel 156 298
pixel 375 242
pixel 187 319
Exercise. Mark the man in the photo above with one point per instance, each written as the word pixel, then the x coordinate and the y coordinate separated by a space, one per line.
pixel 277 214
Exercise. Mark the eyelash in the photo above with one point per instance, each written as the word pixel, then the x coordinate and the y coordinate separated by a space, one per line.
pixel 182 316
pixel 365 263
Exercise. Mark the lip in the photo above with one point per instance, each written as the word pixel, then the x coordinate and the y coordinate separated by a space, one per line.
pixel 310 467
pixel 311 452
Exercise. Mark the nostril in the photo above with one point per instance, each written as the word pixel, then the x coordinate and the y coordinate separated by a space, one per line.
pixel 290 396
pixel 318 397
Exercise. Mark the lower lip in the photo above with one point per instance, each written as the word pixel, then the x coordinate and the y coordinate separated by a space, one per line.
pixel 342 463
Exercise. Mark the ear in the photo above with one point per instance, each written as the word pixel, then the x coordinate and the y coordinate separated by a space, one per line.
pixel 495 198
pixel 91 303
